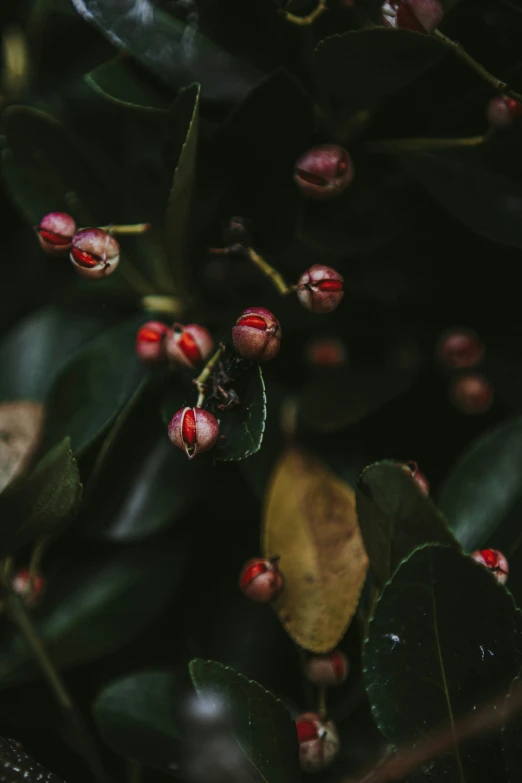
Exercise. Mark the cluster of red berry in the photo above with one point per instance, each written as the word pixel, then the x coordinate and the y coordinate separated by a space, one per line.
pixel 460 351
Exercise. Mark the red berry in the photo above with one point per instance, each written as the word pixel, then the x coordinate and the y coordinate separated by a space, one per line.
pixel 318 741
pixel 418 477
pixel 323 172
pixel 257 334
pixel 194 430
pixel 150 341
pixel 94 253
pixel 494 561
pixel 261 580
pixel 421 16
pixel 330 669
pixel 55 233
pixel 460 349
pixel 320 289
pixel 188 345
pixel 471 394
pixel 30 590
pixel 502 111
pixel 326 352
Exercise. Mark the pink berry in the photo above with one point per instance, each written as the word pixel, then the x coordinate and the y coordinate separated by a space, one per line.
pixel 330 669
pixel 30 590
pixel 320 289
pixel 318 741
pixel 326 352
pixel 460 349
pixel 150 341
pixel 193 430
pixel 502 110
pixel 323 172
pixel 55 233
pixel 261 580
pixel 188 345
pixel 420 16
pixel 257 334
pixel 471 393
pixel 494 561
pixel 94 253
pixel 418 477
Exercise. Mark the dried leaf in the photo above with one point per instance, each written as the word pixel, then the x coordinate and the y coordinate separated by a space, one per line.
pixel 311 524
pixel 20 428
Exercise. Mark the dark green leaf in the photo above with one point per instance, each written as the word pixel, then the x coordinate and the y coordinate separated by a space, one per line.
pixel 169 49
pixel 395 517
pixel 444 639
pixel 261 724
pixel 119 81
pixel 136 718
pixel 17 766
pixel 512 736
pixel 243 426
pixel 485 485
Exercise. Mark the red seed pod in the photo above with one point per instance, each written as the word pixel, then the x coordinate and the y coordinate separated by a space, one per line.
pixel 193 430
pixel 326 352
pixel 421 16
pixel 257 334
pixel 261 580
pixel 459 349
pixel 95 253
pixel 320 289
pixel 495 561
pixel 502 110
pixel 323 172
pixel 318 741
pixel 188 345
pixel 418 477
pixel 30 590
pixel 55 233
pixel 330 669
pixel 471 393
pixel 151 341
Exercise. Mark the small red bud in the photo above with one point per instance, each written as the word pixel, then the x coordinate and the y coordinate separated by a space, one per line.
pixel 320 289
pixel 55 233
pixel 95 253
pixel 326 352
pixel 150 341
pixel 418 477
pixel 261 580
pixel 502 110
pixel 494 561
pixel 318 741
pixel 30 590
pixel 257 334
pixel 188 345
pixel 471 394
pixel 193 430
pixel 330 669
pixel 323 172
pixel 460 349
pixel 421 16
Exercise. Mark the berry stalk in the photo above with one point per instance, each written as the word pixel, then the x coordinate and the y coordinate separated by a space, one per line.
pixel 273 275
pixel 303 21
pixel 201 380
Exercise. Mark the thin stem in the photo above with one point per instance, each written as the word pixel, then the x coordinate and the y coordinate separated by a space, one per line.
pixel 394 145
pixel 322 710
pixel 305 20
pixel 270 272
pixel 36 556
pixel 166 305
pixel 136 228
pixel 201 380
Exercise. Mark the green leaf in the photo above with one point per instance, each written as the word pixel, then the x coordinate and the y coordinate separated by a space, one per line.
pixel 94 386
pixel 136 717
pixel 395 517
pixel 512 737
pixel 169 49
pixel 485 485
pixel 261 723
pixel 119 81
pixel 444 639
pixel 16 765
pixel 43 503
pixel 243 426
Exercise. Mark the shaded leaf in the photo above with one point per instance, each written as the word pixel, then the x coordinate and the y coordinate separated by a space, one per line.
pixel 430 658
pixel 20 432
pixel 16 765
pixel 243 426
pixel 118 80
pixel 395 517
pixel 310 522
pixel 512 737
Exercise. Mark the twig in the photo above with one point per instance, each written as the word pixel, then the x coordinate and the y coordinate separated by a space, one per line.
pixel 201 380
pixel 305 20
pixel 419 143
pixel 270 272
pixel 135 228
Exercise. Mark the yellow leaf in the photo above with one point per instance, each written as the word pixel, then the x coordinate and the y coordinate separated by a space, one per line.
pixel 20 429
pixel 310 523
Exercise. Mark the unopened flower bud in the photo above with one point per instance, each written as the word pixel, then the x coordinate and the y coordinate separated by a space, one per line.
pixel 257 334
pixel 412 469
pixel 471 394
pixel 495 561
pixel 460 349
pixel 193 430
pixel 318 741
pixel 95 253
pixel 320 289
pixel 502 110
pixel 421 16
pixel 188 345
pixel 329 669
pixel 151 341
pixel 55 233
pixel 326 352
pixel 29 589
pixel 323 172
pixel 261 580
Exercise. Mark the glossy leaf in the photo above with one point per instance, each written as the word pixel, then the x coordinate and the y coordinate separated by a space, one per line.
pixel 16 765
pixel 20 432
pixel 261 723
pixel 395 517
pixel 310 523
pixel 169 49
pixel 444 639
pixel 243 426
pixel 485 485
pixel 119 81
